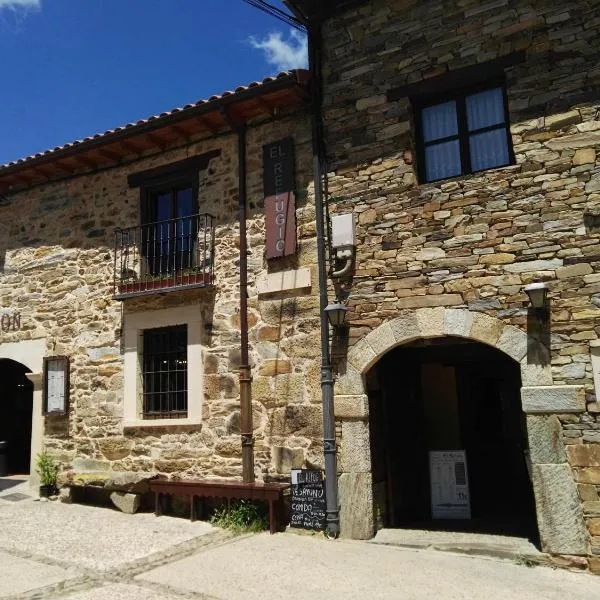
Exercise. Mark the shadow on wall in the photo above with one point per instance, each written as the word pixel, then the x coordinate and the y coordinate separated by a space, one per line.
pixel 538 336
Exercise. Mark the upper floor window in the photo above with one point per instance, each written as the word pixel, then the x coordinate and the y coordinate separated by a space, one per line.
pixel 463 132
pixel 169 228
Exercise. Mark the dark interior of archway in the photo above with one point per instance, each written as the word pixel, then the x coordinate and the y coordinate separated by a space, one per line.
pixel 450 394
pixel 16 404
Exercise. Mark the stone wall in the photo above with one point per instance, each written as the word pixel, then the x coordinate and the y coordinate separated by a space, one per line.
pixel 57 249
pixel 473 242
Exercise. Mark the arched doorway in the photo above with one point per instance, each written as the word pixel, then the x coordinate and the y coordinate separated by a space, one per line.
pixel 16 402
pixel 449 439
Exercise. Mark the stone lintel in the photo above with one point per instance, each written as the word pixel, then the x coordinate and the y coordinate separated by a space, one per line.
pixel 351 407
pixel 553 399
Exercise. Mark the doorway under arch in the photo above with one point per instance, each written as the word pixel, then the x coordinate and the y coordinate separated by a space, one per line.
pixel 453 395
pixel 16 402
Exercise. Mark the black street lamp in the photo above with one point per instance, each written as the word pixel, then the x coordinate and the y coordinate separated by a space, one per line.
pixel 336 314
pixel 538 294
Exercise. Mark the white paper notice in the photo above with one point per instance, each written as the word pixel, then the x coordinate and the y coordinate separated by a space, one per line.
pixel 56 386
pixel 449 485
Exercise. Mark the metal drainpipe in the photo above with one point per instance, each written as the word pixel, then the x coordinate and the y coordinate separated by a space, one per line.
pixel 329 441
pixel 245 371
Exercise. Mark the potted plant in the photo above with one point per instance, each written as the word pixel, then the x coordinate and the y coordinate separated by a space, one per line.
pixel 47 469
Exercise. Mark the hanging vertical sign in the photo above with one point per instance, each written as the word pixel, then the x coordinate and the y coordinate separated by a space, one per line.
pixel 449 485
pixel 56 385
pixel 280 199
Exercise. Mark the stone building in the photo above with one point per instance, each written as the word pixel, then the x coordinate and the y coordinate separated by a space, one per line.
pixel 121 253
pixel 464 137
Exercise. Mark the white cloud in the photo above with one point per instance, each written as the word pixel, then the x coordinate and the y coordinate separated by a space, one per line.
pixel 14 4
pixel 285 54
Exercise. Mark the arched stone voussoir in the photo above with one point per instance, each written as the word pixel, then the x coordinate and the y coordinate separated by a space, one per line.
pixel 458 322
pixel 362 356
pixel 513 341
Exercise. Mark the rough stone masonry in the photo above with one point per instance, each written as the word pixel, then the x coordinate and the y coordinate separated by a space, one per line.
pixel 471 243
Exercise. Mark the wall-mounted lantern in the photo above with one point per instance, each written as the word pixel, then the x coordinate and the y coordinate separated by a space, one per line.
pixel 538 295
pixel 343 243
pixel 336 314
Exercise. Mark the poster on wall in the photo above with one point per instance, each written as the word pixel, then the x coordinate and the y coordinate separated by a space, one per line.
pixel 56 385
pixel 449 482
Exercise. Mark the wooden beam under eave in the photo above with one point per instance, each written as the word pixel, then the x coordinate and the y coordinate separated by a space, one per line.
pixel 86 161
pixel 131 147
pixel 186 135
pixel 156 140
pixel 206 122
pixel 110 155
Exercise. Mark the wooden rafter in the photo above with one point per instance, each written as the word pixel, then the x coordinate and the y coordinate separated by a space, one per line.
pixel 110 155
pixel 206 122
pixel 130 147
pixel 156 140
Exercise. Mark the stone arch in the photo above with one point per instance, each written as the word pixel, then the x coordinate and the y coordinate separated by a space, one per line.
pixel 440 322
pixel 561 531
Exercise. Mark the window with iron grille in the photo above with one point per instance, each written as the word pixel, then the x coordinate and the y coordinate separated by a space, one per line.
pixel 463 132
pixel 164 373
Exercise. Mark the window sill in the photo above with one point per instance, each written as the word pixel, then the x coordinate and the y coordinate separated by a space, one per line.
pixel 146 423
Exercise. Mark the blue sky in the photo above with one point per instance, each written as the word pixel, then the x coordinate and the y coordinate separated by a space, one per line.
pixel 72 68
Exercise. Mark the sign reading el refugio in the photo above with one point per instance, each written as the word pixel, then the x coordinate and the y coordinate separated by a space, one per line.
pixel 308 499
pixel 280 200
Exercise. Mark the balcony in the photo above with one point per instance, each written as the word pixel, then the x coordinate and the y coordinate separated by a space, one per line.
pixel 165 256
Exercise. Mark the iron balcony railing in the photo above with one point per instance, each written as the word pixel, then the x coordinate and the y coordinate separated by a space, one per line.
pixel 164 256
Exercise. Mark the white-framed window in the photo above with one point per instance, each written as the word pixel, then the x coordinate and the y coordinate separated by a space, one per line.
pixel 163 367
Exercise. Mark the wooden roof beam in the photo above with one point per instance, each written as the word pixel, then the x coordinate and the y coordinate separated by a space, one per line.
pixel 156 140
pixel 130 147
pixel 110 155
pixel 86 161
pixel 186 135
pixel 206 122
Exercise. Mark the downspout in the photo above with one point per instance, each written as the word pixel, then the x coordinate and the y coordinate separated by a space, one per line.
pixel 245 374
pixel 329 441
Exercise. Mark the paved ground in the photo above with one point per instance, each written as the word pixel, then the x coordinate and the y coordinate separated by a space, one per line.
pixel 72 552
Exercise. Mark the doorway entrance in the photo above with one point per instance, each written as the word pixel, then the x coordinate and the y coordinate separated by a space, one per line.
pixel 16 402
pixel 454 400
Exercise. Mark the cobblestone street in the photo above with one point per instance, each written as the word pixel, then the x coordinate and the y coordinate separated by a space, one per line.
pixel 75 552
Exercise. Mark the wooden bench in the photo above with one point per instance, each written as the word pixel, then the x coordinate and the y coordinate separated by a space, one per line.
pixel 269 492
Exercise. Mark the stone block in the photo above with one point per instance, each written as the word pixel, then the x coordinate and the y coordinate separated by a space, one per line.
pixel 430 301
pixel 355 453
pixel 361 356
pixel 458 322
pixel 591 508
pixel 381 339
pixel 284 459
pixel 298 419
pixel 431 322
pixel 115 448
pixel 351 407
pixel 426 254
pixel 89 465
pixel 274 366
pixel 405 328
pixel 544 433
pixel 574 271
pixel 65 495
pixel 584 156
pixel 584 455
pixel 533 374
pixel 486 329
pixel 513 341
pixel 588 475
pixel 356 506
pixel 553 399
pixel 587 492
pixel 559 512
pixel 350 382
pixel 535 265
pixel 126 502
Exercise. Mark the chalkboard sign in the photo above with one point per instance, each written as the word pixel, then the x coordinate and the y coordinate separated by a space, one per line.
pixel 308 499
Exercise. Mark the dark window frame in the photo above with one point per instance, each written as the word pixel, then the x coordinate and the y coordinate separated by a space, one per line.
pixel 459 95
pixel 158 403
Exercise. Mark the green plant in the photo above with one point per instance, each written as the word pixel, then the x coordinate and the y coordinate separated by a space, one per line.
pixel 46 468
pixel 241 516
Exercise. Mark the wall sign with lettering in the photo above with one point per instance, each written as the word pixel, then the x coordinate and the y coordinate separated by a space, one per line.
pixel 56 385
pixel 309 503
pixel 10 322
pixel 279 174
